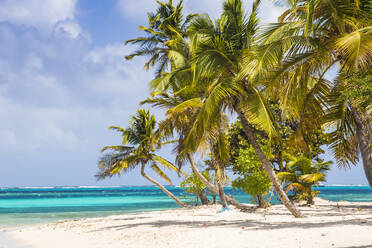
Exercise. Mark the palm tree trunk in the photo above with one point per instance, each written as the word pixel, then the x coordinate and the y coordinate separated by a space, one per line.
pixel 363 142
pixel 180 203
pixel 203 198
pixel 200 176
pixel 221 190
pixel 202 195
pixel 267 165
pixel 214 198
pixel 261 202
pixel 213 188
pixel 310 199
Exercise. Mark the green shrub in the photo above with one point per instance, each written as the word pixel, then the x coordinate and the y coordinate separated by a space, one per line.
pixel 253 179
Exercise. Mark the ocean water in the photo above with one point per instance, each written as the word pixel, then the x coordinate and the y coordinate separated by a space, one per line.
pixel 22 206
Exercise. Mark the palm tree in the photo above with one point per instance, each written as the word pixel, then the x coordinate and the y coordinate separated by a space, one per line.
pixel 218 51
pixel 166 25
pixel 316 36
pixel 182 110
pixel 123 158
pixel 179 118
pixel 168 40
pixel 215 67
pixel 350 119
pixel 302 175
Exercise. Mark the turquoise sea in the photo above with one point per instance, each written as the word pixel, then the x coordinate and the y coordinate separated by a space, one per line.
pixel 20 206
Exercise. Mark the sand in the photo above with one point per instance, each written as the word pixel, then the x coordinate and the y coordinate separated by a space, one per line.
pixel 327 224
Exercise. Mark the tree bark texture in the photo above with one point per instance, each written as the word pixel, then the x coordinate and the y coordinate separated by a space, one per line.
pixel 363 142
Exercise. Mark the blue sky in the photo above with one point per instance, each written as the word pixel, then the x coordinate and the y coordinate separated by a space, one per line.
pixel 64 80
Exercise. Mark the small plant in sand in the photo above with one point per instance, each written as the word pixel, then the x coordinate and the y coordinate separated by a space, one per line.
pixel 303 175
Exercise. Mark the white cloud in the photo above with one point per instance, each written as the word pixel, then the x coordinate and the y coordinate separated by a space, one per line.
pixel 212 7
pixel 135 10
pixel 107 72
pixel 37 13
pixel 68 27
pixel 57 94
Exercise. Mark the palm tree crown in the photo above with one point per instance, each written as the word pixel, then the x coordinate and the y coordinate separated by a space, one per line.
pixel 165 25
pixel 123 158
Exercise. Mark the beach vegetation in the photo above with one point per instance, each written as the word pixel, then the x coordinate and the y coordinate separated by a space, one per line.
pixel 302 175
pixel 252 178
pixel 193 185
pixel 319 38
pixel 274 79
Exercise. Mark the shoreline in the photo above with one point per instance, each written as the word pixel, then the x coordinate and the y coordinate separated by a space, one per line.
pixel 327 224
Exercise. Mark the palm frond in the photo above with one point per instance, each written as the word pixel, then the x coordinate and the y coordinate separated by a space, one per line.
pixel 160 173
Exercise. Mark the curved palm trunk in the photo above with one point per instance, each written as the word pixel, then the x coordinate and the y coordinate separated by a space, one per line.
pixel 200 176
pixel 363 142
pixel 203 196
pixel 212 187
pixel 180 203
pixel 267 165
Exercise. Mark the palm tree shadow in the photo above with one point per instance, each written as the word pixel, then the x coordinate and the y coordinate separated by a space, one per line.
pixel 239 224
pixel 354 215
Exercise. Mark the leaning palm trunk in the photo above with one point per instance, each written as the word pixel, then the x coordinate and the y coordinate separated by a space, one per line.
pixel 267 166
pixel 362 137
pixel 200 176
pixel 180 203
pixel 203 196
pixel 212 187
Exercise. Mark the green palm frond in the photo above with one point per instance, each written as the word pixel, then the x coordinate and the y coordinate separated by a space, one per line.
pixel 258 112
pixel 160 173
pixel 194 103
pixel 356 49
pixel 297 186
pixel 323 166
pixel 169 165
pixel 340 121
pixel 312 178
pixel 118 148
pixel 286 176
pixel 116 163
pixel 165 26
pixel 117 128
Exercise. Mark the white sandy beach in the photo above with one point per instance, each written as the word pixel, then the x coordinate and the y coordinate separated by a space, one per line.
pixel 327 224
